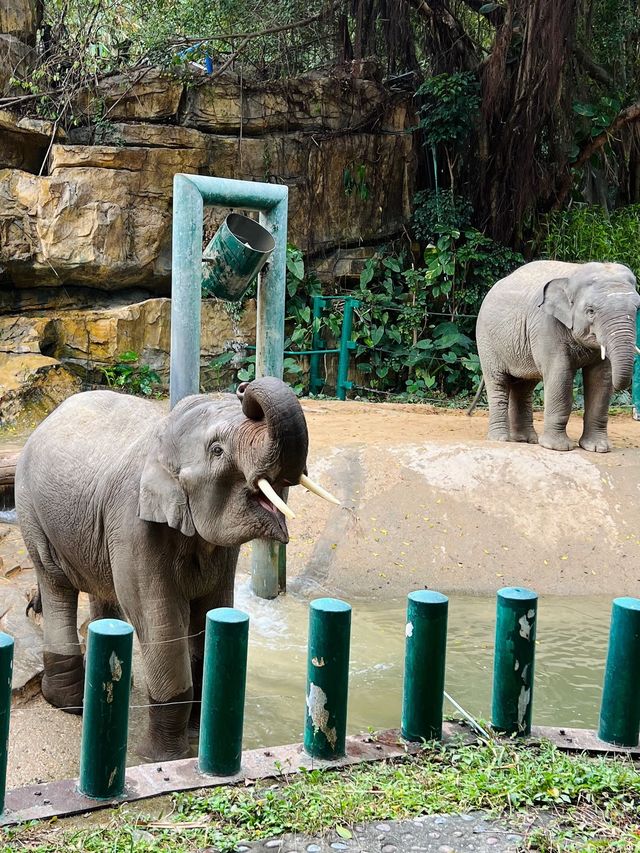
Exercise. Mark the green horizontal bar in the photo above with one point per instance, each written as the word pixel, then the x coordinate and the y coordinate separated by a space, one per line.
pixel 303 351
pixel 246 195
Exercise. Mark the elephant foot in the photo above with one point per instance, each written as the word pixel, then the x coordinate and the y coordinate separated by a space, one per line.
pixel 595 442
pixel 167 738
pixel 524 437
pixel 63 681
pixel 555 441
pixel 498 435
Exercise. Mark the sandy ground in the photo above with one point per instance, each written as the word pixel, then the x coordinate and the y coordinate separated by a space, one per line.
pixel 427 502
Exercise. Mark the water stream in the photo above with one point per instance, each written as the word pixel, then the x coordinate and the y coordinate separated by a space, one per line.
pixel 571 649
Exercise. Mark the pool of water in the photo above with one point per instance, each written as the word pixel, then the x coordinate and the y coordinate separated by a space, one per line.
pixel 570 654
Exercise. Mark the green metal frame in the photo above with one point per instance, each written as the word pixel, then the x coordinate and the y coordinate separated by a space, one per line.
pixel 316 383
pixel 190 194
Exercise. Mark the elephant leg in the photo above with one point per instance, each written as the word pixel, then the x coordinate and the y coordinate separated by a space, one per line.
pixel 63 678
pixel 598 387
pixel 498 396
pixel 558 397
pixel 521 411
pixel 162 623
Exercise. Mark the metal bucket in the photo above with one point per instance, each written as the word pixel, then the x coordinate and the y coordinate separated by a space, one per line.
pixel 234 257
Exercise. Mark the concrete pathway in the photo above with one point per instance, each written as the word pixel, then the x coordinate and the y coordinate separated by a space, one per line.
pixel 429 834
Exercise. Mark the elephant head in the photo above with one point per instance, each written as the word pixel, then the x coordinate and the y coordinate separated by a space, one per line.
pixel 218 466
pixel 598 304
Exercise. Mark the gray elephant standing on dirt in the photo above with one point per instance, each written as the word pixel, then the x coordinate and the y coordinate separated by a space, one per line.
pixel 545 321
pixel 145 511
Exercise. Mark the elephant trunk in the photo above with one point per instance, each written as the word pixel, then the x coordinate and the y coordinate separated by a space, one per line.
pixel 619 342
pixel 269 399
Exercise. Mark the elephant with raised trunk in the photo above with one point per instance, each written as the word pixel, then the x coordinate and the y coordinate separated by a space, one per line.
pixel 145 511
pixel 547 320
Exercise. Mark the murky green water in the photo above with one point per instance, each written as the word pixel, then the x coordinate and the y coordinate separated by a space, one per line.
pixel 570 654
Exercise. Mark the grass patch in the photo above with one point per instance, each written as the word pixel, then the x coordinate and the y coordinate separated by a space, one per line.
pixel 588 804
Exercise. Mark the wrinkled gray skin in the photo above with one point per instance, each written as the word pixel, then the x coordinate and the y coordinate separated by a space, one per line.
pixel 545 321
pixel 145 511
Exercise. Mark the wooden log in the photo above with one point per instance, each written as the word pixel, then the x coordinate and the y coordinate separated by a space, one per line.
pixel 8 463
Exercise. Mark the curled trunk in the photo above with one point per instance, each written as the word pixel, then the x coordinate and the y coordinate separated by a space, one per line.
pixel 271 400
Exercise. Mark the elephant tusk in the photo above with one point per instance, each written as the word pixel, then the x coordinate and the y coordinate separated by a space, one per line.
pixel 638 350
pixel 269 492
pixel 603 353
pixel 318 490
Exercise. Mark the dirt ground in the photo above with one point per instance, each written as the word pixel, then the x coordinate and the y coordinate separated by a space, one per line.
pixel 426 502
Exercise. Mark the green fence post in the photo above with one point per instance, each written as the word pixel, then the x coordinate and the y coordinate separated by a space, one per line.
pixel 105 723
pixel 424 665
pixel 223 690
pixel 327 678
pixel 620 709
pixel 315 383
pixel 6 672
pixel 514 658
pixel 635 386
pixel 343 384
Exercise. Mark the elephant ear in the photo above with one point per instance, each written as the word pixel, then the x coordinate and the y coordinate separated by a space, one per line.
pixel 161 497
pixel 557 302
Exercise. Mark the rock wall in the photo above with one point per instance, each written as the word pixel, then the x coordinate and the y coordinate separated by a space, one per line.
pixel 85 216
pixel 99 215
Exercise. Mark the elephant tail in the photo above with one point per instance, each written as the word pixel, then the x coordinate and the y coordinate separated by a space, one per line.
pixel 471 408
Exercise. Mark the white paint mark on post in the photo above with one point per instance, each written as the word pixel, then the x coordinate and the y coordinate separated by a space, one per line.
pixel 408 631
pixel 525 626
pixel 316 708
pixel 317 662
pixel 115 665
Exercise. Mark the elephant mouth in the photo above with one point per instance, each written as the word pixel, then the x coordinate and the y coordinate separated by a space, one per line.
pixel 271 518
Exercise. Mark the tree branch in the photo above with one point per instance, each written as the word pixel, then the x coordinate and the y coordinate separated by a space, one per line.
pixel 595 71
pixel 294 25
pixel 626 116
pixel 495 16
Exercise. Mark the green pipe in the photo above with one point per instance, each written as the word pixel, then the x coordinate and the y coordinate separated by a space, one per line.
pixel 223 690
pixel 514 659
pixel 635 385
pixel 342 384
pixel 315 382
pixel 327 678
pixel 424 665
pixel 6 671
pixel 105 722
pixel 234 257
pixel 620 709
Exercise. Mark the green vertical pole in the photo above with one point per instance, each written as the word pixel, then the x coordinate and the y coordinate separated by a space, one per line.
pixel 223 691
pixel 327 678
pixel 282 568
pixel 635 386
pixel 186 275
pixel 6 672
pixel 315 383
pixel 620 709
pixel 107 684
pixel 342 384
pixel 514 658
pixel 424 665
pixel 265 555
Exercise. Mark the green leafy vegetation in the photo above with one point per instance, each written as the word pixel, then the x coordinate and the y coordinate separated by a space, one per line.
pixel 589 233
pixel 131 376
pixel 590 803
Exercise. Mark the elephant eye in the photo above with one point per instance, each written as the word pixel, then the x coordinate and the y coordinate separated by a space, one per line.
pixel 590 313
pixel 217 450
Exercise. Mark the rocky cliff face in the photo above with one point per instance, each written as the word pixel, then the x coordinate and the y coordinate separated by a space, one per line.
pixel 85 217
